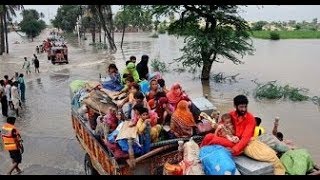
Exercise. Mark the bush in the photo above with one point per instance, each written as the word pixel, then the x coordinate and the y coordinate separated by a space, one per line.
pixel 271 90
pixel 274 36
pixel 155 35
pixel 162 31
pixel 159 66
pixel 221 78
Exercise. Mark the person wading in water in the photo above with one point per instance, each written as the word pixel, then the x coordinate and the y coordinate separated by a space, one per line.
pixel 12 143
pixel 36 64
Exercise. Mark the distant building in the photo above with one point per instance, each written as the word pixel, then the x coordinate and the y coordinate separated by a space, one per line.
pixel 250 23
pixel 270 27
pixel 289 28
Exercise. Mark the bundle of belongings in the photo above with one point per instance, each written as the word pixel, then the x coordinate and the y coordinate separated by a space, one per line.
pixel 190 165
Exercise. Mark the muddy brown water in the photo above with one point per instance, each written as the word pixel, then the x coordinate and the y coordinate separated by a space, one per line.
pixel 50 144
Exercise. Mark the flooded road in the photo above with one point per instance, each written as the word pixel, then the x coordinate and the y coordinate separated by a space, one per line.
pixel 50 144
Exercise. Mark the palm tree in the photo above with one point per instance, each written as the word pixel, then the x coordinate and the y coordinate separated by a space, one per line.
pixel 92 13
pixel 106 10
pixel 2 47
pixel 8 11
pixel 102 17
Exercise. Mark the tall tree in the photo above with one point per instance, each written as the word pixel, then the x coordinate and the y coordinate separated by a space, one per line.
pixel 90 20
pixel 9 12
pixel 315 21
pixel 31 24
pixel 2 38
pixel 136 16
pixel 259 25
pixel 224 34
pixel 66 18
pixel 101 11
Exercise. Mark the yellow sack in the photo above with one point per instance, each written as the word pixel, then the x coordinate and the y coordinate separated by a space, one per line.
pixel 262 152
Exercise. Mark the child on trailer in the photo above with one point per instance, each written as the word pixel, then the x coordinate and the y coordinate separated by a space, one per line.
pixel 226 129
pixel 134 88
pixel 144 118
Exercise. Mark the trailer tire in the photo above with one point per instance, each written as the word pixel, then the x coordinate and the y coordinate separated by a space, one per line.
pixel 88 168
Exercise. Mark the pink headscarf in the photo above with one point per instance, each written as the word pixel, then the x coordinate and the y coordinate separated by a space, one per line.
pixel 153 118
pixel 111 120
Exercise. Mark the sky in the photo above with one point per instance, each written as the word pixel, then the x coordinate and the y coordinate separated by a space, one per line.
pixel 250 13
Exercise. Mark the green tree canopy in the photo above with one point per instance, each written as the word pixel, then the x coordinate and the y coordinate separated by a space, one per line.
pixel 31 24
pixel 211 32
pixel 258 25
pixel 66 18
pixel 134 15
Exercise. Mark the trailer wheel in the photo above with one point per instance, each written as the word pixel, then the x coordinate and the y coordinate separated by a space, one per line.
pixel 88 168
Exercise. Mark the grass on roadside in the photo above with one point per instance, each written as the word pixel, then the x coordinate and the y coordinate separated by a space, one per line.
pixel 287 34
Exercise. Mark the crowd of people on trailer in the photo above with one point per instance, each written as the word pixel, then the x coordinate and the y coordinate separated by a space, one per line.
pixel 145 102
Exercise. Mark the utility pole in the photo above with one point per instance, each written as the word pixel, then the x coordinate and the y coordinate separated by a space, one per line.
pixel 78 30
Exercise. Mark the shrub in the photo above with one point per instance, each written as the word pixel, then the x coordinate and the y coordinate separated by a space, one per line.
pixel 271 90
pixel 159 66
pixel 274 36
pixel 155 35
pixel 162 31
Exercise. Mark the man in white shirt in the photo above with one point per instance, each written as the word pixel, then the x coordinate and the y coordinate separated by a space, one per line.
pixel 15 97
pixel 7 91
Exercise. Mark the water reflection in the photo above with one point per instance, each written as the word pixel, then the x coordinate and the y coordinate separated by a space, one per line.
pixel 39 83
pixel 206 89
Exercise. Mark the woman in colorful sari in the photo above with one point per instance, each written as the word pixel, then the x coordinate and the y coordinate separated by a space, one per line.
pixel 114 83
pixel 160 105
pixel 182 121
pixel 153 90
pixel 175 95
pixel 131 69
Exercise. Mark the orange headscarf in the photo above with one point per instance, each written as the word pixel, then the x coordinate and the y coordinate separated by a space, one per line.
pixel 183 114
pixel 174 95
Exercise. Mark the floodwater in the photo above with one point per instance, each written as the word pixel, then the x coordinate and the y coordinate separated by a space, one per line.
pixel 50 144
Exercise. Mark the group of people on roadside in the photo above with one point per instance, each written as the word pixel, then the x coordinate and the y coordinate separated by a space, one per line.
pixel 12 93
